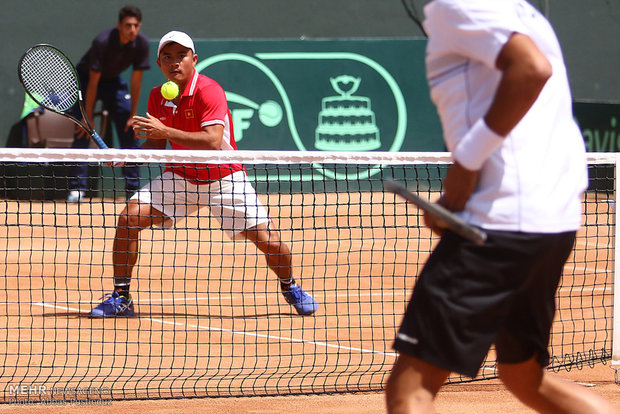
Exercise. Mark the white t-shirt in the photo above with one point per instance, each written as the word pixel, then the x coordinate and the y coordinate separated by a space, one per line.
pixel 535 180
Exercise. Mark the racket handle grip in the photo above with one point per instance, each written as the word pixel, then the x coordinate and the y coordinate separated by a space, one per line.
pixel 98 140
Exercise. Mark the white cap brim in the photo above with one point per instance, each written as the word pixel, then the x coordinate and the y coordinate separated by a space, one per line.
pixel 176 37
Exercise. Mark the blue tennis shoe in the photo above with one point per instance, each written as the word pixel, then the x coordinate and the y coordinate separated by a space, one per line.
pixel 113 305
pixel 303 303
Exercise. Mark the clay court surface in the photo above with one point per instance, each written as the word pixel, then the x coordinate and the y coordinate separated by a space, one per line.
pixel 488 397
pixel 212 338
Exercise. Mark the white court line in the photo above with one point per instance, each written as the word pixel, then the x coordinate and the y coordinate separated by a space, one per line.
pixel 587 269
pixel 585 243
pixel 598 289
pixel 233 332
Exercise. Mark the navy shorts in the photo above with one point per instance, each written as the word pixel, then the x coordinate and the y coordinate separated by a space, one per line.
pixel 469 297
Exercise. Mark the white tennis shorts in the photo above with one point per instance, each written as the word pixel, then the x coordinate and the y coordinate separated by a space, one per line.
pixel 232 200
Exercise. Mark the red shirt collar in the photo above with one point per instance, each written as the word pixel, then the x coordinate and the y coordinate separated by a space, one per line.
pixel 190 88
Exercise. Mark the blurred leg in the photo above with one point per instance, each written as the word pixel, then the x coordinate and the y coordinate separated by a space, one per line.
pixel 413 385
pixel 546 392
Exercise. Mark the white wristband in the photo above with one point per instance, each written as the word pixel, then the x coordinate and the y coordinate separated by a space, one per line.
pixel 476 146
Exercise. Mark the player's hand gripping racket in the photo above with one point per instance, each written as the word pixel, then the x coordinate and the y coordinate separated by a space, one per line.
pixel 50 79
pixel 444 216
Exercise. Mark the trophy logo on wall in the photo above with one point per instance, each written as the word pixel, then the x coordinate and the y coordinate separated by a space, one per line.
pixel 346 122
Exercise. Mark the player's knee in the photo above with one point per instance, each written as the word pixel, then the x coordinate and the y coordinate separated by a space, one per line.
pixel 129 221
pixel 278 248
pixel 270 247
pixel 263 237
pixel 517 379
pixel 506 373
pixel 507 378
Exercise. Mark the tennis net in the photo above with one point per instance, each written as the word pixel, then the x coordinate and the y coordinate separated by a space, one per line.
pixel 210 320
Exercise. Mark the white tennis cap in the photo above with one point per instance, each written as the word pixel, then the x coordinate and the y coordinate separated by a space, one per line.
pixel 176 37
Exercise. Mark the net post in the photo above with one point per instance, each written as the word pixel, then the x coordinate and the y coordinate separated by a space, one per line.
pixel 615 353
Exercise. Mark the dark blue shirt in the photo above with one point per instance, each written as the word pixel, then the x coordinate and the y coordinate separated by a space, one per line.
pixel 109 57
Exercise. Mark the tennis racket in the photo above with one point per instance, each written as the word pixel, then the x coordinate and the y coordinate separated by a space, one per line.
pixel 445 218
pixel 50 79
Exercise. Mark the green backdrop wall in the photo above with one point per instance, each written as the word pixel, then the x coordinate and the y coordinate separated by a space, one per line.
pixel 588 31
pixel 300 94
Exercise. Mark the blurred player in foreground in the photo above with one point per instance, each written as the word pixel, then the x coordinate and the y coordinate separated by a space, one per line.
pixel 497 76
pixel 201 120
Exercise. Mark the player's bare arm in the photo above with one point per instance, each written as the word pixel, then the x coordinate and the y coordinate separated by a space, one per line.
pixel 458 186
pixel 151 128
pixel 525 70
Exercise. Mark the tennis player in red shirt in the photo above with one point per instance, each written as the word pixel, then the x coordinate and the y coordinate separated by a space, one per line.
pixel 198 118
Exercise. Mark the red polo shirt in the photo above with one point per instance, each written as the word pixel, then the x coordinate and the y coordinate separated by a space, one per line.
pixel 202 103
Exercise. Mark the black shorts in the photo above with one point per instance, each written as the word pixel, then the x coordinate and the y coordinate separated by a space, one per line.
pixel 469 297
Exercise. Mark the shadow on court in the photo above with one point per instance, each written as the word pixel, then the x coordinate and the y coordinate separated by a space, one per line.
pixel 147 315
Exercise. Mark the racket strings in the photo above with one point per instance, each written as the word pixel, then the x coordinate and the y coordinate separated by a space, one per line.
pixel 49 78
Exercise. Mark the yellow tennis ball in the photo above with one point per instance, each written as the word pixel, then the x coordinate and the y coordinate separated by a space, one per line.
pixel 169 90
